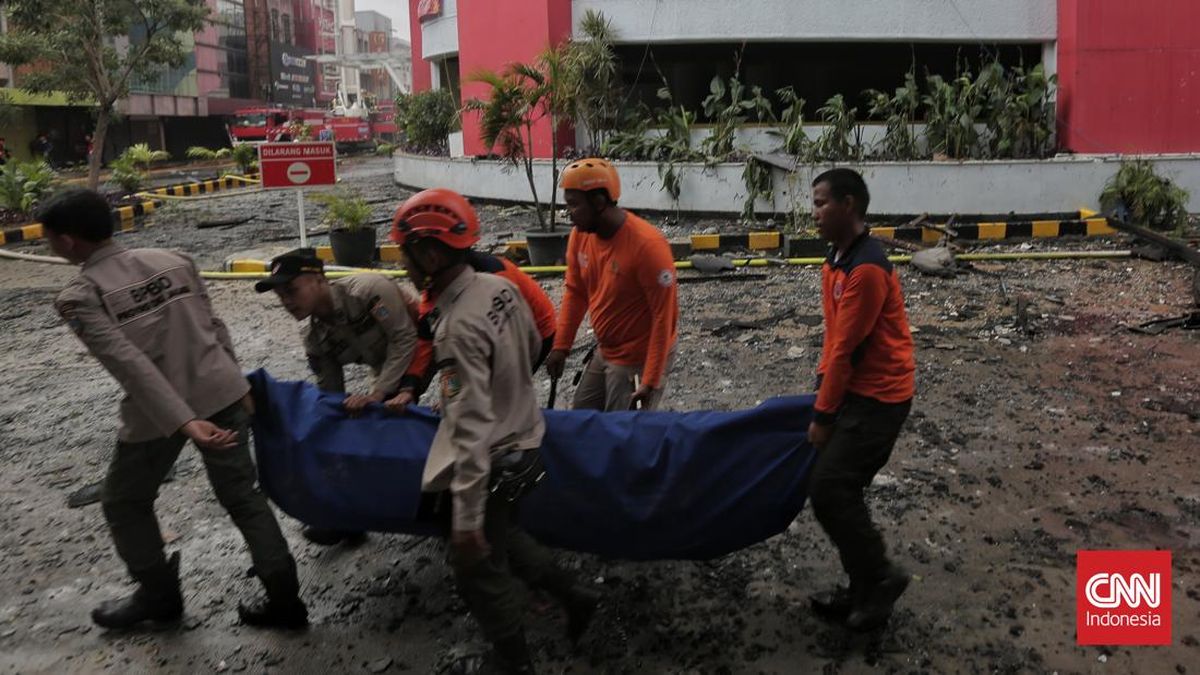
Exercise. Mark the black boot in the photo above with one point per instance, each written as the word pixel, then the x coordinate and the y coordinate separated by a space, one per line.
pixel 84 496
pixel 512 656
pixel 873 609
pixel 581 603
pixel 833 605
pixel 282 608
pixel 157 598
pixel 509 656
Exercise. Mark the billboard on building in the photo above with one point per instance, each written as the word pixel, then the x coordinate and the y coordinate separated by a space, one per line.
pixel 378 42
pixel 327 31
pixel 293 77
pixel 428 9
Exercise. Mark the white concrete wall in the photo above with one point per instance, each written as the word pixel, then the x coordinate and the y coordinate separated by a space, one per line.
pixel 455 143
pixel 1062 184
pixel 639 21
pixel 1023 186
pixel 769 139
pixel 439 37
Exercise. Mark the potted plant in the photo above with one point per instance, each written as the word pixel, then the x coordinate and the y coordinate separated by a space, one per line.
pixel 351 235
pixel 519 97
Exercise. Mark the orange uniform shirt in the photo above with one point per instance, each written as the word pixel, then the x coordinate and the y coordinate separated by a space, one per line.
pixel 868 347
pixel 627 286
pixel 531 291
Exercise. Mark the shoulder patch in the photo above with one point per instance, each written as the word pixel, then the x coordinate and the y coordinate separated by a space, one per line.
pixel 66 309
pixel 379 311
pixel 665 278
pixel 451 382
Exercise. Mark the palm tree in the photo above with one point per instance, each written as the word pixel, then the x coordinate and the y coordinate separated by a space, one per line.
pixel 520 96
pixel 595 86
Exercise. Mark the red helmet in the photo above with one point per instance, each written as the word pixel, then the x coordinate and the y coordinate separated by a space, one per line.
pixel 442 214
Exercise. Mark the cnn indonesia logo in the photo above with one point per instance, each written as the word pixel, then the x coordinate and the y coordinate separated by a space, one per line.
pixel 1123 597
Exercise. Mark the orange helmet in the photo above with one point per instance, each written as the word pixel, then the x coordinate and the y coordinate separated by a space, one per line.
pixel 592 174
pixel 442 214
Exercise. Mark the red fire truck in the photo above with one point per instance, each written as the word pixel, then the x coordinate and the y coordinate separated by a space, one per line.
pixel 350 128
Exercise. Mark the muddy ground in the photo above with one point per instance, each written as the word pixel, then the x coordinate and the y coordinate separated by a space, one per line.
pixel 1024 446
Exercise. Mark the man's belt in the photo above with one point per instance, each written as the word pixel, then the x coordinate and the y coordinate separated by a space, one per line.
pixel 515 474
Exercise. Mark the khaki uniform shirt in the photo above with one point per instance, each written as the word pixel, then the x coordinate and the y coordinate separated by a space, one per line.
pixel 146 316
pixel 484 341
pixel 372 325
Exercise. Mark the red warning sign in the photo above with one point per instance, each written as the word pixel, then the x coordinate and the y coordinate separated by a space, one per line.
pixel 297 165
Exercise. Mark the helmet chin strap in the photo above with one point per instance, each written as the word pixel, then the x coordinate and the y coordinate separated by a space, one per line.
pixel 427 278
pixel 427 274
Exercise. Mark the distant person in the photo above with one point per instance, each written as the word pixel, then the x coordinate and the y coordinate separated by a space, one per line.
pixel 40 148
pixel 326 134
pixel 865 391
pixel 620 272
pixel 147 318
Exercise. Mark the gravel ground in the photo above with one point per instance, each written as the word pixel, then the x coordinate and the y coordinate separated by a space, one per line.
pixel 1025 445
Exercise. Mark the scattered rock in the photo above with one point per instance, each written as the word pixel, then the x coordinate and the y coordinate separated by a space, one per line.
pixel 380 665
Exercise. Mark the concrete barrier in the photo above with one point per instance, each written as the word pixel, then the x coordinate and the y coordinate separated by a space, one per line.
pixel 1022 186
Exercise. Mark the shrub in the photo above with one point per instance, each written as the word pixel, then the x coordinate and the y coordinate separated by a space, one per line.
pixel 126 174
pixel 426 118
pixel 1152 200
pixel 201 153
pixel 344 210
pixel 246 157
pixel 23 184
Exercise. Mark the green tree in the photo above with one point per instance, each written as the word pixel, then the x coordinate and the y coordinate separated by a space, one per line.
pixel 595 85
pixel 91 49
pixel 518 97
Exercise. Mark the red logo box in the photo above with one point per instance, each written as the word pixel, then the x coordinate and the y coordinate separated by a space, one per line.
pixel 1123 597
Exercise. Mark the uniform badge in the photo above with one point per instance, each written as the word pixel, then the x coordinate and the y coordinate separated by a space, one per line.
pixel 665 278
pixel 67 311
pixel 379 312
pixel 583 260
pixel 451 383
pixel 838 288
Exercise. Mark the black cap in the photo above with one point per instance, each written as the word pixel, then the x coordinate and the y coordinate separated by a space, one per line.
pixel 290 265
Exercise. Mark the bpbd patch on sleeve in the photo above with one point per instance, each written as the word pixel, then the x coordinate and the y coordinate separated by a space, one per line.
pixel 66 310
pixel 451 382
pixel 378 310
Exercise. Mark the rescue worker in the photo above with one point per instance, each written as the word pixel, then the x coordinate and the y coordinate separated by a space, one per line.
pixel 485 451
pixel 419 373
pixel 621 273
pixel 865 391
pixel 145 315
pixel 362 318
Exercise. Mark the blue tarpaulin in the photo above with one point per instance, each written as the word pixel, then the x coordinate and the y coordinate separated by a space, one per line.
pixel 636 485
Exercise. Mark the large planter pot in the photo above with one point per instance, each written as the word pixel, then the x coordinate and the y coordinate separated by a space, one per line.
pixel 353 248
pixel 806 247
pixel 547 248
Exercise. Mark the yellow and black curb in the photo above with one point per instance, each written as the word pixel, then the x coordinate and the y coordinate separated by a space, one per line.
pixel 775 241
pixel 204 187
pixel 804 246
pixel 126 216
pixel 257 269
